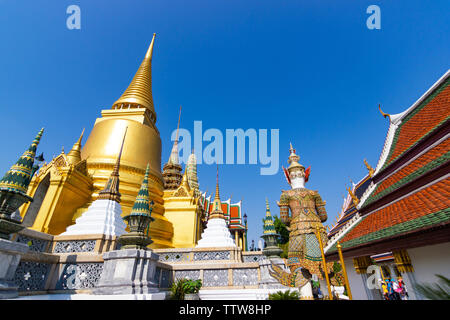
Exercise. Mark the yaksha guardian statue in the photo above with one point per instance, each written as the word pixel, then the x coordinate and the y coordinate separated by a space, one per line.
pixel 308 213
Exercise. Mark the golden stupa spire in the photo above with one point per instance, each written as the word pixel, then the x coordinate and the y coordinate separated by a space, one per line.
pixel 139 92
pixel 173 159
pixel 111 190
pixel 217 204
pixel 217 196
pixel 74 155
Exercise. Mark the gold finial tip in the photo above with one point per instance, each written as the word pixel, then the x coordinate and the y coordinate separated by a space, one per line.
pixel 386 115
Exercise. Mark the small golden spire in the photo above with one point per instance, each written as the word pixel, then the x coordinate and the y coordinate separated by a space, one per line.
pixel 217 196
pixel 74 155
pixel 139 92
pixel 178 125
pixel 173 158
pixel 111 190
pixel 217 204
pixel 384 114
pixel 184 181
pixel 371 170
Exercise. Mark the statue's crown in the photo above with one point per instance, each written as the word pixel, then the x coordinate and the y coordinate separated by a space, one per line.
pixel 293 161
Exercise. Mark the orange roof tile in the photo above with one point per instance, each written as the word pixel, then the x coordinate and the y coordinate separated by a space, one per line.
pixel 421 161
pixel 421 121
pixel 426 201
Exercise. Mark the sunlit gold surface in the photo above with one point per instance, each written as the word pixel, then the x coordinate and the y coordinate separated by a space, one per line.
pixel 74 155
pixel 76 180
pixel 139 92
pixel 142 145
pixel 70 187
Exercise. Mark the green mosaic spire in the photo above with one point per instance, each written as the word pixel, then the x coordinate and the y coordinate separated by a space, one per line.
pixel 18 178
pixel 143 205
pixel 269 228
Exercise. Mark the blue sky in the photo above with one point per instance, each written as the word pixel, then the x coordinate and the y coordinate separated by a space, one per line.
pixel 311 69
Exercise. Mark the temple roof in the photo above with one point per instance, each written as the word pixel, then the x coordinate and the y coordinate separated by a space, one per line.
pixel 406 129
pixel 411 188
pixel 349 210
pixel 424 209
pixel 232 211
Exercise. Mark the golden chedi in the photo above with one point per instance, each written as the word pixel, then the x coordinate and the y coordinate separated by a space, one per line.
pixel 135 110
pixel 70 183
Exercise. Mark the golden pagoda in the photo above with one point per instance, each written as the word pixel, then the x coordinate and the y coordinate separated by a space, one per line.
pixel 64 188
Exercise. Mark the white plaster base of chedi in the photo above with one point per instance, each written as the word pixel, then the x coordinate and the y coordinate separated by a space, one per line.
pixel 102 217
pixel 216 234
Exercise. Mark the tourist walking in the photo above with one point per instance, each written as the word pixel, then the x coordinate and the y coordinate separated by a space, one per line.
pixel 384 290
pixel 403 293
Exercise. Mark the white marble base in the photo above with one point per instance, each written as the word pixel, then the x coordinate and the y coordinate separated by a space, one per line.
pixel 216 234
pixel 102 217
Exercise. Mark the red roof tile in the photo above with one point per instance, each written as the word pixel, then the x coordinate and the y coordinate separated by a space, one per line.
pixel 419 123
pixel 426 201
pixel 424 159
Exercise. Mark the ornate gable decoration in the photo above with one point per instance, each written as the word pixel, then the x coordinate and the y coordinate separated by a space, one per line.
pixel 82 167
pixel 181 192
pixel 60 161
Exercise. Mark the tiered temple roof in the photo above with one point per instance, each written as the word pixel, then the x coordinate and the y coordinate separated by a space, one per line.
pixel 232 211
pixel 349 210
pixel 407 203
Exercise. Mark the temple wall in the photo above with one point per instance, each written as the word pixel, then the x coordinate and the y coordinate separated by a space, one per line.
pixel 430 260
pixel 357 285
pixel 73 265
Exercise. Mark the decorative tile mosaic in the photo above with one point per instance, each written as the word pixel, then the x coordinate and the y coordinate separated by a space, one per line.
pixel 38 245
pixel 187 274
pixel 212 255
pixel 74 246
pixel 245 277
pixel 31 276
pixel 79 276
pixel 174 256
pixel 215 278
pixel 253 257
